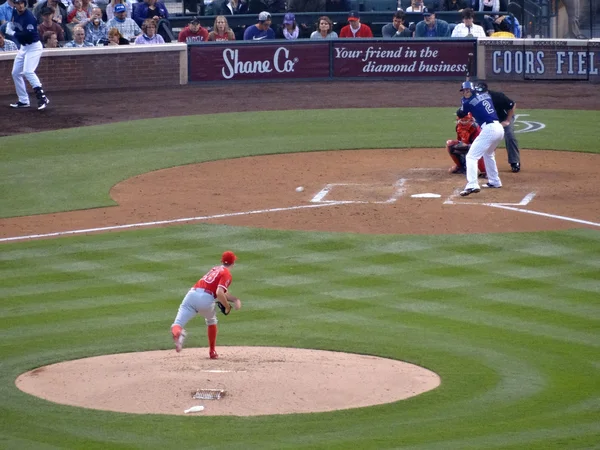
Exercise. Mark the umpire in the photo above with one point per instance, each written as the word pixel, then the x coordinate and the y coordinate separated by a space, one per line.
pixel 505 108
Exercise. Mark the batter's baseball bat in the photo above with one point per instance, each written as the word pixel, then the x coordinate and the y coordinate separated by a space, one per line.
pixel 469 65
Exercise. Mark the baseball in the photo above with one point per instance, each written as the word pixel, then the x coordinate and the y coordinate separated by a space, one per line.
pixel 299 189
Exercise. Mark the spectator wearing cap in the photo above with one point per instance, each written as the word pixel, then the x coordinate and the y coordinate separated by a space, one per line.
pixel 431 27
pixel 193 32
pixel 467 28
pixel 149 35
pixel 398 28
pixel 48 24
pixel 96 31
pixel 7 45
pixel 221 30
pixel 355 29
pixel 454 5
pixel 78 38
pixel 126 26
pixel 110 8
pixel 289 29
pixel 325 29
pixel 262 30
pixel 60 11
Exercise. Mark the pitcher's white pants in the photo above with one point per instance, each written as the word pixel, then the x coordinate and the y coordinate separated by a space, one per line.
pixel 484 145
pixel 26 62
pixel 196 301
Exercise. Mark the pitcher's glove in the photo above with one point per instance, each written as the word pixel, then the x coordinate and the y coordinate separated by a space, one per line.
pixel 222 308
pixel 460 149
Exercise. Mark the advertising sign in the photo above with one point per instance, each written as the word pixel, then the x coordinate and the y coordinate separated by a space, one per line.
pixel 238 62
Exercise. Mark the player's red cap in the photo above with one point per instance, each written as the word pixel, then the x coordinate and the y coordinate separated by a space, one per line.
pixel 228 257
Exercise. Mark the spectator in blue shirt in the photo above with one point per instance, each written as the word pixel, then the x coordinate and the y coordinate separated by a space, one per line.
pixel 262 30
pixel 431 27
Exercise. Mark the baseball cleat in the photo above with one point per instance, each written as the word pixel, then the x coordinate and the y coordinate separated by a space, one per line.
pixel 469 191
pixel 19 105
pixel 178 338
pixel 43 102
pixel 492 186
pixel 213 354
pixel 515 167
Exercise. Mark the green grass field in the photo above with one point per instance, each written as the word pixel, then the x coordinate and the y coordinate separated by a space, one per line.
pixel 511 322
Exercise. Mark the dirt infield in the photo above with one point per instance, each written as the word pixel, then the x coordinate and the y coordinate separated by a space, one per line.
pixel 366 191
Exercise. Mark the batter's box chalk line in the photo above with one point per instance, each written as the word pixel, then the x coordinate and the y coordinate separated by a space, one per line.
pixel 399 190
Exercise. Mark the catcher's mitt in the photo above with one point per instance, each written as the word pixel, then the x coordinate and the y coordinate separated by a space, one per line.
pixel 222 308
pixel 460 149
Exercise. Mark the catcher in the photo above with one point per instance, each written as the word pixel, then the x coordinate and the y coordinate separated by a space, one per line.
pixel 466 132
pixel 210 290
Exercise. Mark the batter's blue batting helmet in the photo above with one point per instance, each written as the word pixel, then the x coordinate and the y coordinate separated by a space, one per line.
pixel 467 85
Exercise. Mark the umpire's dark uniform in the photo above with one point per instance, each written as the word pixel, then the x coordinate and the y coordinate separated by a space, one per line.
pixel 502 105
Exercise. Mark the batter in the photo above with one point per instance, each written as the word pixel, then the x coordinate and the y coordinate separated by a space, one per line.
pixel 482 109
pixel 23 26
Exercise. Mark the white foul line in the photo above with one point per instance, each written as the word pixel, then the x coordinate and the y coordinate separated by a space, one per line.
pixel 163 222
pixel 552 216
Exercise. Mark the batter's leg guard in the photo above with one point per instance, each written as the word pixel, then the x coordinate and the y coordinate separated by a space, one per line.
pixel 42 100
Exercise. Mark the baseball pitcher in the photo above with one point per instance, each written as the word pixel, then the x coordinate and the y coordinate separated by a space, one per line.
pixel 210 291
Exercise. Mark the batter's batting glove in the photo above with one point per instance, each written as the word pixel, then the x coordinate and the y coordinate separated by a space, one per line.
pixel 222 308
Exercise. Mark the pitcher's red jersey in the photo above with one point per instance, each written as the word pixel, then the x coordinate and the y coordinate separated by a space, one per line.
pixel 217 276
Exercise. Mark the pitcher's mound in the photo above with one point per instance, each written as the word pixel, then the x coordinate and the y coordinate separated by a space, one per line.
pixel 255 381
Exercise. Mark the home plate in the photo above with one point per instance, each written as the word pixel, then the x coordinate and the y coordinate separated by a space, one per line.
pixel 426 195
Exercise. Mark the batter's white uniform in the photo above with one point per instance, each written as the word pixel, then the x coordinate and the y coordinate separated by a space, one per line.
pixel 485 145
pixel 24 67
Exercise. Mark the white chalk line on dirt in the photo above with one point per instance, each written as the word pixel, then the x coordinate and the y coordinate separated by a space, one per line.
pixel 512 207
pixel 165 222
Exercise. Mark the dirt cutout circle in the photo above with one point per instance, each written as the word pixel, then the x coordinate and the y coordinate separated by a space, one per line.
pixel 256 381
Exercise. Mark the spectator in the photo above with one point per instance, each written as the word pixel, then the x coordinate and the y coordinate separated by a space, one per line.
pixel 306 5
pixel 149 35
pixel 150 9
pixel 221 30
pixel 126 26
pixel 337 5
pixel 262 30
pixel 416 6
pixel 87 5
pixel 467 28
pixel 396 29
pixel 355 29
pixel 7 45
pixel 50 40
pixel 110 8
pixel 231 7
pixel 270 6
pixel 116 38
pixel 78 15
pixel 59 15
pixel 454 5
pixel 96 31
pixel 193 32
pixel 325 30
pixel 289 30
pixel 78 38
pixel 6 10
pixel 431 27
pixel 48 24
pixel 573 8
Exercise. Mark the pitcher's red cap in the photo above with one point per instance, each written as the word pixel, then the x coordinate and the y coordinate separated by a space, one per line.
pixel 228 257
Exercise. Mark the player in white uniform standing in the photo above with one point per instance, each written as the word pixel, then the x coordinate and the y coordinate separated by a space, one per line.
pixel 23 26
pixel 482 109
